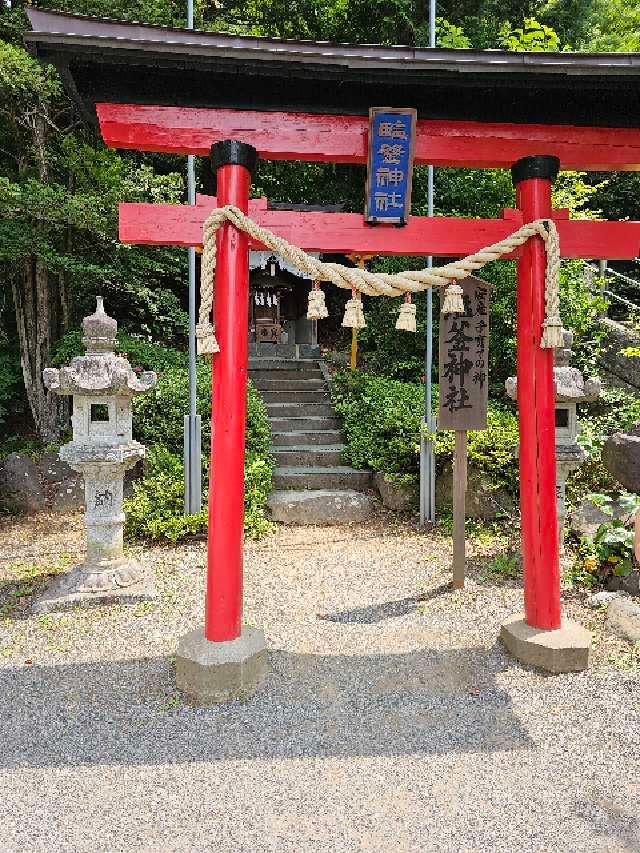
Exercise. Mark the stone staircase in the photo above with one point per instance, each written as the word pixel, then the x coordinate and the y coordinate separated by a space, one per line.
pixel 311 485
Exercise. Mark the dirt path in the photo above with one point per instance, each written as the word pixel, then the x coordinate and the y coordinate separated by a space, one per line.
pixel 391 720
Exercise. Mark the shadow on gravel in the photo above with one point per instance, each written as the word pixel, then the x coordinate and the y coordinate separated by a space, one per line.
pixel 386 610
pixel 128 712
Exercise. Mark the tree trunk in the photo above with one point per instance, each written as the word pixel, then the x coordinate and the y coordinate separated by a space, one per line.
pixel 35 332
pixel 36 307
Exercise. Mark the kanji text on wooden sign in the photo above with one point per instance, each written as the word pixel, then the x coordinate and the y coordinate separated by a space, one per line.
pixel 392 135
pixel 464 360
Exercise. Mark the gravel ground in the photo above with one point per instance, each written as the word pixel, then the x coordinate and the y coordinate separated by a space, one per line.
pixel 391 719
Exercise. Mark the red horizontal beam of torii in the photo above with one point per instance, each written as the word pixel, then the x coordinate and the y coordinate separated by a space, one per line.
pixel 343 138
pixel 342 233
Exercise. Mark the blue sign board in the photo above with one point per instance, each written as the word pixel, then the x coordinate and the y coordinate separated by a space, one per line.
pixel 390 165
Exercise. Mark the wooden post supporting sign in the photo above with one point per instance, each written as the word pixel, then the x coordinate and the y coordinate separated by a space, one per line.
pixel 464 376
pixel 459 508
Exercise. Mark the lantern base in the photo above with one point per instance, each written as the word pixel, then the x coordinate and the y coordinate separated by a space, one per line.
pixel 123 582
pixel 565 649
pixel 214 672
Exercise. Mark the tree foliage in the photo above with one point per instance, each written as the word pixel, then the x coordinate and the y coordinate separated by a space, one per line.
pixel 59 185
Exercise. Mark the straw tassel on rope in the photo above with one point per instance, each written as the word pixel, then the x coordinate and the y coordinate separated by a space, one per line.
pixel 353 313
pixel 453 303
pixel 317 309
pixel 206 337
pixel 406 321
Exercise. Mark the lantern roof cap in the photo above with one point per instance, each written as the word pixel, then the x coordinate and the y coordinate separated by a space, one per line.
pixel 99 373
pixel 99 330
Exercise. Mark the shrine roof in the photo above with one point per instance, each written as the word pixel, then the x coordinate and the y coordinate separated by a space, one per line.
pixel 103 60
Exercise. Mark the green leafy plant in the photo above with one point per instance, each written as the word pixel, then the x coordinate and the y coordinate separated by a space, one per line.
pixel 381 421
pixel 503 566
pixel 611 551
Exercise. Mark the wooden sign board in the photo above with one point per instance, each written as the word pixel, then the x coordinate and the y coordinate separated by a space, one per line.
pixel 464 360
pixel 392 134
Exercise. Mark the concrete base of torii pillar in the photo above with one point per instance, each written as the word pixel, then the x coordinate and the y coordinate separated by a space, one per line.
pixel 564 649
pixel 226 671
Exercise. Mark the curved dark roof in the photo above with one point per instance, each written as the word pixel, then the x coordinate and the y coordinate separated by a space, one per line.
pixel 104 60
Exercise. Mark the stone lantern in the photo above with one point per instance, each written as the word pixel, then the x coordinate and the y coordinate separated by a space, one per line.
pixel 571 389
pixel 102 385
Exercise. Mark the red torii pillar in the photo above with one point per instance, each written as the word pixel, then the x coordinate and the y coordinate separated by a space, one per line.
pixel 536 405
pixel 540 638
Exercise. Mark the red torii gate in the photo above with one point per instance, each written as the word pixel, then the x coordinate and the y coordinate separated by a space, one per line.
pixel 534 153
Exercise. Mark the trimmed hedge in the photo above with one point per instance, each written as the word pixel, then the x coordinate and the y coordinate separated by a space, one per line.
pixel 382 425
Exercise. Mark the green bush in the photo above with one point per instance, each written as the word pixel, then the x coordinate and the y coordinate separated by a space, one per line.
pixel 382 425
pixel 381 421
pixel 159 415
pixel 492 451
pixel 156 509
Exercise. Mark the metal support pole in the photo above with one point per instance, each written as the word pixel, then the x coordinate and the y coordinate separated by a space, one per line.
pixel 427 456
pixel 533 177
pixel 192 425
pixel 234 162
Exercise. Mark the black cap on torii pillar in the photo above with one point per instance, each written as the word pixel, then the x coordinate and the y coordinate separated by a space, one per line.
pixel 232 152
pixel 536 166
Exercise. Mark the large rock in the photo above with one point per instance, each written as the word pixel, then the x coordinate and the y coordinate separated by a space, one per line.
pixel 53 469
pixel 623 618
pixel 20 488
pixel 320 506
pixel 619 337
pixel 630 583
pixel 482 500
pixel 586 518
pixel 621 457
pixel 395 496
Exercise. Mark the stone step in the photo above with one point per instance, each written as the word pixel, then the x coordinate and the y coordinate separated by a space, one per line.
pixel 289 351
pixel 271 384
pixel 314 396
pixel 308 438
pixel 308 457
pixel 320 506
pixel 284 365
pixel 272 350
pixel 338 478
pixel 305 374
pixel 301 410
pixel 300 423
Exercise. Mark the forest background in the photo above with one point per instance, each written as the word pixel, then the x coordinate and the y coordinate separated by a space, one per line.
pixel 60 186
